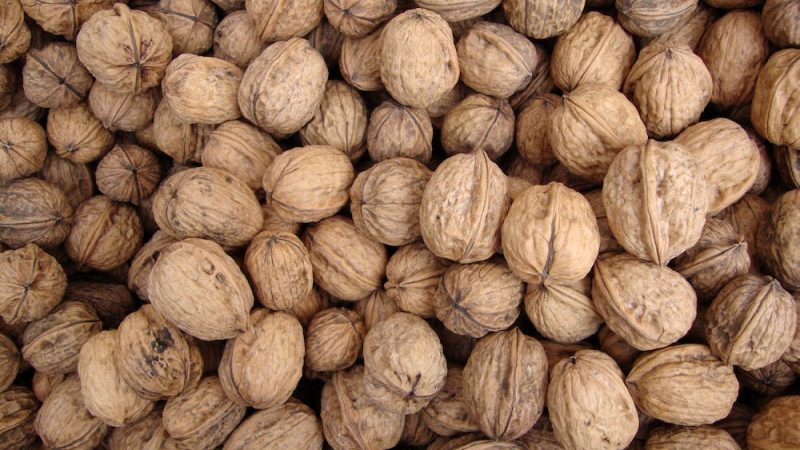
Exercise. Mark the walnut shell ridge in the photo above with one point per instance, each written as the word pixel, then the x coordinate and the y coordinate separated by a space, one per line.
pixel 241 149
pixel 541 19
pixel 774 113
pixel 340 122
pixel 278 20
pixel 54 78
pixel 397 131
pixel 33 283
pixel 563 312
pixel 479 123
pixel 412 278
pixel 291 425
pixel 333 340
pixel 280 269
pixel 14 32
pixel 24 146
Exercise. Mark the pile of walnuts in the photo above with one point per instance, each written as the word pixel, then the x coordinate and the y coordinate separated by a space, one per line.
pixel 376 224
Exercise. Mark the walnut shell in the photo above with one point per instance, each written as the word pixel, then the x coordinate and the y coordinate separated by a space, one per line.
pixel 145 434
pixel 655 198
pixel 9 362
pixel 14 32
pixel 77 135
pixel 541 81
pixel 201 418
pixel 33 284
pixel 115 58
pixel 17 415
pixel 614 346
pixel 792 355
pixel 736 423
pixel 479 122
pixel 328 42
pixel 360 61
pixel 340 121
pixel 54 78
pixel 268 95
pixel 128 173
pixel 768 430
pixel 463 207
pixel 123 111
pixel 689 30
pixel 358 17
pixel 774 113
pixel 397 131
pixel 505 381
pixel 111 301
pixel 563 312
pixel 541 19
pixel 241 149
pixel 419 63
pixel 19 105
pixel 33 211
pixel 437 110
pixel 385 199
pixel 447 414
pixel 183 142
pixel 779 18
pixel 404 364
pixel 764 176
pixel 333 340
pixel 236 40
pixel 8 86
pixel 777 240
pixel 412 279
pixel 292 426
pixel 650 18
pixel 608 243
pixel 63 19
pixel 647 305
pixel 746 216
pixel 52 344
pixel 142 264
pixel 788 163
pixel 202 89
pixel 687 438
pixel 73 179
pixel 375 308
pixel 532 126
pixel 278 20
pixel 64 422
pixel 416 431
pixel 275 223
pixel 591 126
pixel 280 269
pixel 683 385
pixel 191 24
pixel 24 146
pixel 770 380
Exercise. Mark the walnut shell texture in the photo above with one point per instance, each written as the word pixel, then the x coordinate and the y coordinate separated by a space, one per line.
pixel 8 85
pixel 18 409
pixel 24 148
pixel 128 173
pixel 771 380
pixel 375 308
pixel 412 278
pixel 541 81
pixel 280 269
pixel 77 135
pixel 689 30
pixel 358 17
pixel 33 283
pixel 33 211
pixel 64 422
pixel 52 344
pixel 241 149
pixel 333 340
pixel 142 263
pixel 459 11
pixel 542 19
pixel 775 114
pixel 328 42
pixel 778 237
pixel 9 357
pixel 685 438
pixel 360 61
pixel 14 32
pixel 340 122
pixel 532 126
pixel 563 312
pixel 397 131
pixel 183 142
pixel 779 17
pixel 292 425
pixel 202 89
pixel 44 383
pixel 649 18
pixel 447 414
pixel 54 78
pixel 768 430
pixel 73 179
pixel 144 434
pixel 123 111
pixel 479 122
pixel 236 40
pixel 63 19
pixel 191 24
pixel 278 20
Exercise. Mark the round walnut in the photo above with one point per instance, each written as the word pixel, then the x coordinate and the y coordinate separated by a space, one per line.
pixel 665 108
pixel 219 295
pixel 17 415
pixel 360 61
pixel 241 149
pixel 439 108
pixel 397 131
pixel 333 340
pixel 144 434
pixel 780 22
pixel 123 111
pixel 63 421
pixel 616 347
pixel 201 89
pixel 340 122
pixel 650 18
pixel 495 60
pixel 412 279
pixel 769 429
pixel 33 211
pixel 596 50
pixel 73 179
pixel 683 385
pixel 142 264
pixel 419 64
pixel 447 414
pixel 563 312
pixel 655 197
pixel 771 380
pixel 18 103
pixel 111 301
pixel 751 322
pixel 463 207
pixel 23 147
pixel 77 135
pixel 358 17
pixel 775 114
pixel 689 30
pixel 63 19
pixel 236 40
pixel 153 357
pixel 277 20
pixel 404 364
pixel 505 381
pixel 778 240
pixel 588 388
pixel 292 426
pixel 385 199
pixel 328 42
pixel 181 141
pixel 479 123
pixel 191 24
pixel 9 362
pixel 456 12
pixel 591 126
pixel 14 32
pixel 280 269
pixel 275 223
pixel 272 349
pixel 125 50
pixel 33 283
pixel 203 417
pixel 479 298
pixel 541 19
pixel 52 344
pixel 350 419
pixel 532 126
pixel 681 438
pixel 647 305
pixel 210 204
pixel 54 78
pixel 128 173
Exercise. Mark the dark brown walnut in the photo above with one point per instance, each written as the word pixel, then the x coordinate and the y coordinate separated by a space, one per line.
pixel 650 18
pixel 23 147
pixel 591 126
pixel 447 414
pixel 9 362
pixel 779 18
pixel 771 380
pixel 333 340
pixel 541 81
pixel 305 309
pixel 191 24
pixel 272 349
pixel 292 425
pixel 479 298
pixel 614 346
pixel 63 19
pixel 280 269
pixel 419 63
pixel 201 89
pixel 683 385
pixel 397 131
pixel 340 122
pixel 210 204
pixel 563 312
pixel 374 308
pixel 358 17
pixel 769 429
pixel 54 78
pixel 463 207
pixel 14 32
pixel 788 164
pixel 505 381
pixel 746 216
pixel 203 417
pixel 778 240
pixel 495 60
pixel 33 283
pixel 18 409
pixel 8 86
pixel 479 123
pixel 719 256
pixel 145 434
pixel 154 358
pixel 277 20
pixel 385 199
pixel 111 301
pixel 532 124
pixel 416 431
pixel 33 211
pixel 412 278
pixel 43 383
pixel 77 135
pixel 647 305
pixel 328 42
pixel 656 200
pixel 751 322
pixel 608 243
pixel 183 142
pixel 14 331
pixel 541 19
pixel 52 344
pixel 142 264
pixel 121 60
pixel 588 390
pixel 123 111
pixel 64 422
pixel 774 113
pixel 686 438
pixel 308 184
pixel 275 223
pixel 128 173
pixel 351 420
pixel 19 105
pixel 283 87
pixel 764 176
pixel 218 292
pixel 404 364
pixel 595 50
pixel 550 234
pixel 236 41
pixel 737 422
pixel 360 61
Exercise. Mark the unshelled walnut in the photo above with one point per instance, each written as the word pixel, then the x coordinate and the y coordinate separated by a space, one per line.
pixel 77 135
pixel 651 18
pixel 774 113
pixel 44 383
pixel 412 278
pixel 8 85
pixel 241 149
pixel 779 18
pixel 142 263
pixel 202 89
pixel 541 81
pixel 73 179
pixel 788 164
pixel 64 422
pixel 123 111
pixel 236 40
pixel 191 24
pixel 540 19
pixel 771 380
pixel 532 124
pixel 54 78
pixel 778 240
pixel 280 269
pixel 416 431
pixel 358 17
pixel 479 122
pixel 360 61
pixel 375 308
pixel 183 142
pixel 14 32
pixel 447 414
pixel 333 340
pixel 397 131
pixel 291 425
pixel 340 122
pixel 33 283
pixel 9 362
pixel 18 409
pixel 746 216
pixel 297 18
pixel 111 301
pixel 328 42
pixel 144 434
pixel 24 146
pixel 33 211
pixel 768 430
pixel 690 437
pixel 563 312
pixel 128 173
pixel 63 19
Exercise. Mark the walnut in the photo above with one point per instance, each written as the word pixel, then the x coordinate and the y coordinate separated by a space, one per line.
pixel 416 431
pixel 333 340
pixel 77 135
pixel 280 269
pixel 777 240
pixel 236 40
pixel 614 346
pixel 110 300
pixel 774 113
pixel 541 82
pixel 768 429
pixel 146 433
pixel 19 105
pixel 563 312
pixel 297 18
pixel 275 223
pixel 792 355
pixel 397 131
pixel 306 308
pixel 479 122
pixel 63 421
pixel 33 283
pixel 779 18
pixel 340 122
pixel 532 126
pixel 52 343
pixel 746 216
pixel 128 173
pixel 142 263
pixel 764 176
pixel 14 32
pixel 44 383
pixel 9 362
pixel 447 414
pixel 328 42
pixel 291 425
pixel 23 147
pixel 63 19
pixel 18 409
pixel 191 24
pixel 33 211
pixel 771 380
pixel 690 437
pixel 183 142
pixel 123 111
pixel 358 17
pixel 438 109
pixel 531 173
pixel 54 78
pixel 650 18
pixel 736 423
pixel 73 179
pixel 360 61
pixel 608 243
pixel 412 275
pixel 8 86
pixel 455 12
pixel 541 19
pixel 202 89
pixel 374 308
pixel 241 149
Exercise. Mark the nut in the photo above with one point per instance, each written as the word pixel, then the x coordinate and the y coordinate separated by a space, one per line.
pixel 328 42
pixel 532 126
pixel 297 18
pixel 33 211
pixel 18 414
pixel 191 24
pixel 77 135
pixel 183 142
pixel 63 19
pixel 691 437
pixel 412 278
pixel 779 17
pixel 541 19
pixel 447 414
pixel 777 240
pixel 54 78
pixel 397 131
pixel 236 39
pixel 14 32
pixel 52 344
pixel 358 17
pixel 291 425
pixel 64 422
pixel 23 147
pixel 375 308
pixel 128 173
pixel 33 283
pixel 360 61
pixel 142 264
pixel 774 114
pixel 340 122
pixel 479 123
pixel 9 357
pixel 333 340
pixel 768 430
pixel 123 111
pixel 280 269
pixel 202 89
pixel 650 18
pixel 563 312
pixel 241 149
